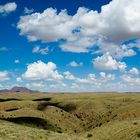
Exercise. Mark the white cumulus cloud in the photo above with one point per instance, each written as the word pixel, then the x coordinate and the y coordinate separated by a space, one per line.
pixel 17 61
pixel 107 77
pixel 118 21
pixel 106 62
pixel 69 76
pixel 28 11
pixel 38 49
pixel 42 71
pixel 75 64
pixel 8 8
pixel 134 71
pixel 4 76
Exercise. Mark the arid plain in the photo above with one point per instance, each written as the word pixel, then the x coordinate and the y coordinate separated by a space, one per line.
pixel 70 116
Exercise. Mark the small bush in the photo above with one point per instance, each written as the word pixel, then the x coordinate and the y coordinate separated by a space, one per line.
pixel 135 123
pixel 89 135
pixel 138 134
pixel 59 131
pixel 100 124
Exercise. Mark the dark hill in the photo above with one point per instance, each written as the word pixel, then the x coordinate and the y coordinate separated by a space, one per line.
pixel 18 90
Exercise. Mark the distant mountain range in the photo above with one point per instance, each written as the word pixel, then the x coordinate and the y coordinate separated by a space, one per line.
pixel 18 90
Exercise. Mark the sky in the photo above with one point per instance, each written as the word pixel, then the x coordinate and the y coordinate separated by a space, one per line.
pixel 70 46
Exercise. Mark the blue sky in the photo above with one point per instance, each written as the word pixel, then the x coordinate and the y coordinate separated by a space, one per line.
pixel 70 46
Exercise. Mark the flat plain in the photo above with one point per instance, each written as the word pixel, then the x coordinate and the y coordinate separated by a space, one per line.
pixel 70 116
